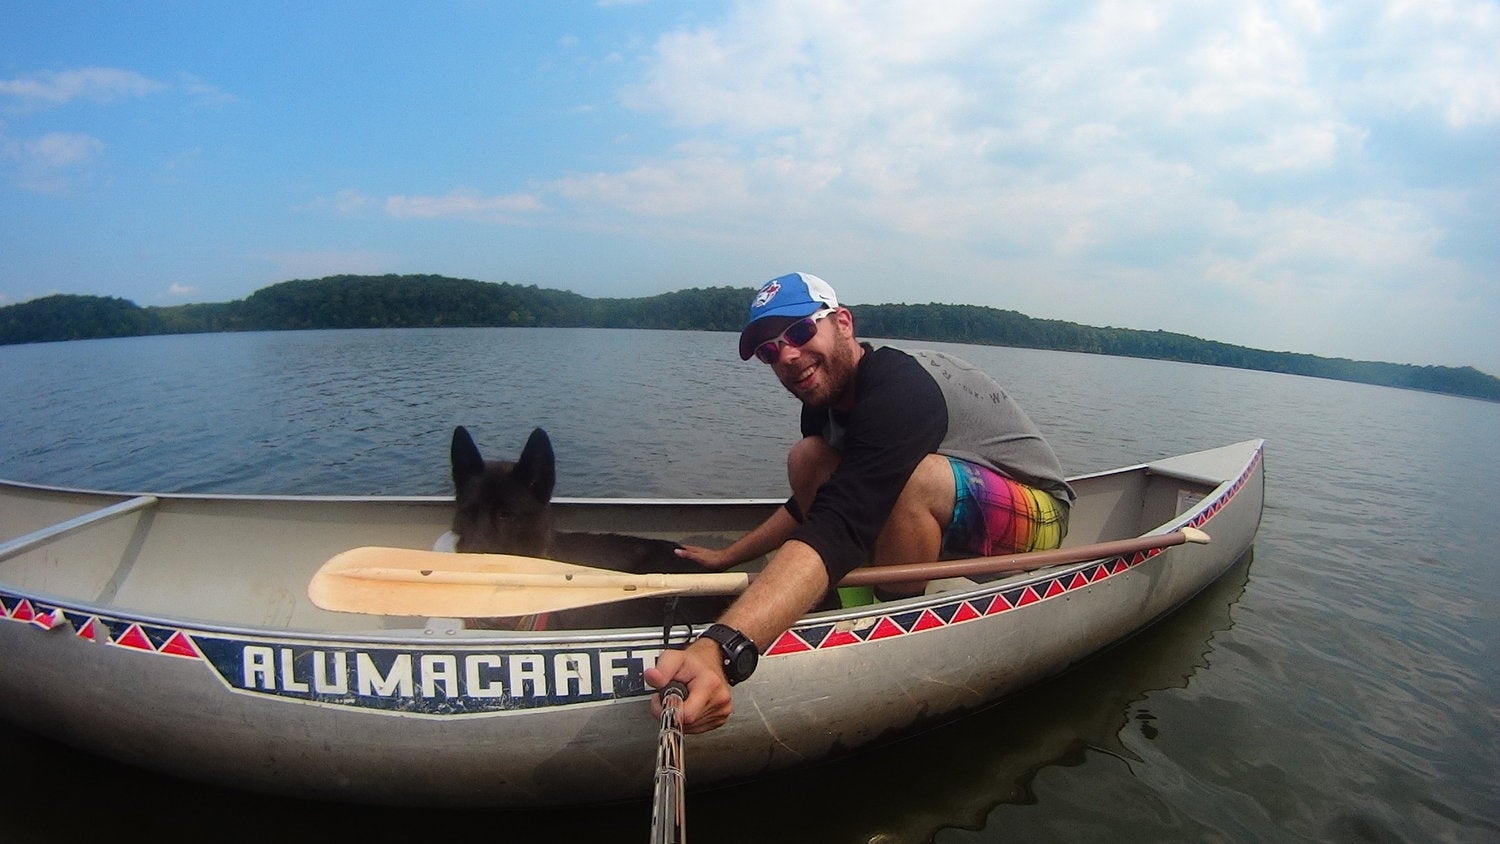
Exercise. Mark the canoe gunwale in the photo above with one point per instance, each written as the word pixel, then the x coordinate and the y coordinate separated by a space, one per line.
pixel 441 500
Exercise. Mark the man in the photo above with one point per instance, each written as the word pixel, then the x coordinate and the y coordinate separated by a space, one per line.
pixel 905 457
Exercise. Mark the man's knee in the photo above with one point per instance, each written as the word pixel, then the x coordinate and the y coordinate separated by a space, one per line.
pixel 931 487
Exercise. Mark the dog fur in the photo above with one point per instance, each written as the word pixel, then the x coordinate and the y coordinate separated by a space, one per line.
pixel 503 508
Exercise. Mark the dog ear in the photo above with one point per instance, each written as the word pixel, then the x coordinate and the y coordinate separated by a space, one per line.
pixel 537 468
pixel 464 454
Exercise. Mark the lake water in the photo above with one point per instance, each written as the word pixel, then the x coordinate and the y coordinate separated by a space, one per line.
pixel 1344 685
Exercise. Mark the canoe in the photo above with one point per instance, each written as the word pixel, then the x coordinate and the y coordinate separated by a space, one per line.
pixel 174 632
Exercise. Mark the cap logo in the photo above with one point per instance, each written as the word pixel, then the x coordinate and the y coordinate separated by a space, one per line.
pixel 766 293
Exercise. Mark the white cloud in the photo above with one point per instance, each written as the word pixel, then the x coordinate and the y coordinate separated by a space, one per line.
pixel 57 150
pixel 1440 54
pixel 465 204
pixel 50 163
pixel 203 93
pixel 98 84
pixel 1298 147
pixel 695 182
pixel 181 290
pixel 345 203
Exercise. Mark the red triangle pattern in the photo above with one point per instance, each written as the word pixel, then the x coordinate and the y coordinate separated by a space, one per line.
pixel 999 605
pixel 90 630
pixel 788 643
pixel 95 629
pixel 135 638
pixel 180 645
pixel 885 629
pixel 927 621
pixel 966 612
pixel 840 637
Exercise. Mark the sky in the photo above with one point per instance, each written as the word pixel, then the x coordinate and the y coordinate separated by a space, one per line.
pixel 1307 176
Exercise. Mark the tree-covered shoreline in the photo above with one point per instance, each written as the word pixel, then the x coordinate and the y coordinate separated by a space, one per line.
pixel 427 301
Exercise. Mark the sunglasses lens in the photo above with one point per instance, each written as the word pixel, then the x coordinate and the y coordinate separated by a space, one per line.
pixel 796 335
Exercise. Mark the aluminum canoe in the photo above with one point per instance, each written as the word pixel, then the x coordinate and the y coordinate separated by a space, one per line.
pixel 174 632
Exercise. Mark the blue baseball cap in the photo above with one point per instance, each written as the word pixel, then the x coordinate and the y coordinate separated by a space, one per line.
pixel 791 295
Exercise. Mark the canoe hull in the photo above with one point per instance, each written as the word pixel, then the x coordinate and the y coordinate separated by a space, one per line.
pixel 426 712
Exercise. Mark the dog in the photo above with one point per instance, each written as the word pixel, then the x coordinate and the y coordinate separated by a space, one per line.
pixel 503 508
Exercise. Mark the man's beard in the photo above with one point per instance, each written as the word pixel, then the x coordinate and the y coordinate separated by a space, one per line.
pixel 836 376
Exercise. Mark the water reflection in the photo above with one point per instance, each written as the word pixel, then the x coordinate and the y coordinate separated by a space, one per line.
pixel 955 776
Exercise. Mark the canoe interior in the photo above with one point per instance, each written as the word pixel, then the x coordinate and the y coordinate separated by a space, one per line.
pixel 244 562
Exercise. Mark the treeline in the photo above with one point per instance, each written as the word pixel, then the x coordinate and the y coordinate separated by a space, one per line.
pixel 413 301
pixel 990 326
pixel 425 301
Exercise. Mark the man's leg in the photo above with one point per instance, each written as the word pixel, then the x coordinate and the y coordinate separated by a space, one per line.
pixel 808 465
pixel 914 532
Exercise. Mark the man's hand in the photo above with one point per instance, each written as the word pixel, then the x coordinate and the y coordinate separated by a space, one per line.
pixel 790 584
pixel 764 539
pixel 701 668
pixel 716 559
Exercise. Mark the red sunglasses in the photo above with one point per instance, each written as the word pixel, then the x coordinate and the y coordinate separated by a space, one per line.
pixel 796 335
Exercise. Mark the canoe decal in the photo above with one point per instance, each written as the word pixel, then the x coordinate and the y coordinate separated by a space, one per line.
pixel 429 681
pixel 486 678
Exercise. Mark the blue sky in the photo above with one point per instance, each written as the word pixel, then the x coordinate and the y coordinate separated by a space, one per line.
pixel 1310 176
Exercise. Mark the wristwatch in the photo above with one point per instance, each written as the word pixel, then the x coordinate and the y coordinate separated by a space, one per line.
pixel 739 653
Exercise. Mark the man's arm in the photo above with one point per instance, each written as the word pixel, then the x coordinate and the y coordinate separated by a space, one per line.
pixel 763 539
pixel 791 584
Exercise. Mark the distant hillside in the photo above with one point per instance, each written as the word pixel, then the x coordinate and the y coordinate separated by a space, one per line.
pixel 425 301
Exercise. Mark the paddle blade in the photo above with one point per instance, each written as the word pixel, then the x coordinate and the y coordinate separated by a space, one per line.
pixel 399 581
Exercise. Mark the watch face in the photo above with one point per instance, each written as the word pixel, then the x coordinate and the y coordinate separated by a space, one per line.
pixel 744 662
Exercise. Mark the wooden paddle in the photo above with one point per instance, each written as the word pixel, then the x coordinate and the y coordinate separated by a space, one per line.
pixel 401 581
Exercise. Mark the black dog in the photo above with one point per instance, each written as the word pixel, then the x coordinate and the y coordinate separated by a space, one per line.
pixel 502 508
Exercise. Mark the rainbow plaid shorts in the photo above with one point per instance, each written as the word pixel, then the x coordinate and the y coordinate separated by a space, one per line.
pixel 993 514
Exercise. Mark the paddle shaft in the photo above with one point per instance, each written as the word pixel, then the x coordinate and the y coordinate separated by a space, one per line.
pixel 1010 563
pixel 708 583
pixel 729 583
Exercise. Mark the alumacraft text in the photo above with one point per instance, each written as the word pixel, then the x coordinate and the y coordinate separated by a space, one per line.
pixel 434 682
